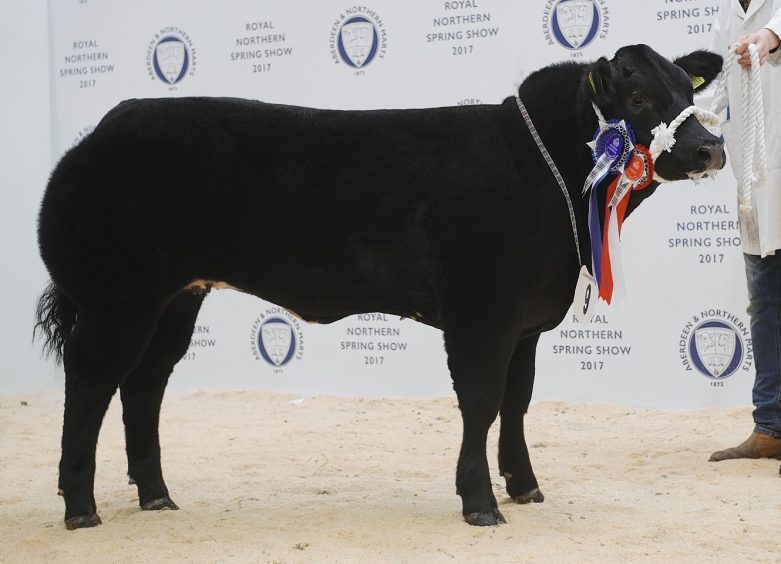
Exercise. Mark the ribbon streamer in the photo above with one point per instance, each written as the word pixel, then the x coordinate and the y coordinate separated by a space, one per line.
pixel 612 270
pixel 595 234
pixel 637 175
pixel 611 148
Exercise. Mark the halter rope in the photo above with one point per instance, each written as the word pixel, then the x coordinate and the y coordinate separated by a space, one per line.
pixel 753 133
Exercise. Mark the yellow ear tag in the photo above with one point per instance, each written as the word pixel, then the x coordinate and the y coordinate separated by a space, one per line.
pixel 591 81
pixel 697 81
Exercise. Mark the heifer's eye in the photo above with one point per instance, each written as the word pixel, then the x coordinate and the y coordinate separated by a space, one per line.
pixel 638 99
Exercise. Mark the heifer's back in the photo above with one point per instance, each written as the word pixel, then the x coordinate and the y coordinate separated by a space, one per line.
pixel 326 212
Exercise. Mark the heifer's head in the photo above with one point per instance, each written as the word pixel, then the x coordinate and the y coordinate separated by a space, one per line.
pixel 645 89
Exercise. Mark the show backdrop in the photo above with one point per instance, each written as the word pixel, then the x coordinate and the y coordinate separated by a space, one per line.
pixel 681 337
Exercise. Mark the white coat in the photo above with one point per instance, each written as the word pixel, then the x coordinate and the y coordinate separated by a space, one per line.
pixel 764 237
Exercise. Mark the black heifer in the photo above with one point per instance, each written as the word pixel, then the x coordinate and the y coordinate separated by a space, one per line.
pixel 446 215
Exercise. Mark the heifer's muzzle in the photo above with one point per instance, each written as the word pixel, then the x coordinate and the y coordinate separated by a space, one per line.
pixel 708 156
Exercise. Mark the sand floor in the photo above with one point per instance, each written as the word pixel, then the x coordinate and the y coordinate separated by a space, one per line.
pixel 261 479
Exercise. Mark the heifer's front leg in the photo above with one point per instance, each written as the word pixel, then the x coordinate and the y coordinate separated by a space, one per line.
pixel 478 361
pixel 514 461
pixel 142 394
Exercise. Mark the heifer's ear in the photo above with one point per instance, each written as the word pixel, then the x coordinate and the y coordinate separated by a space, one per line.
pixel 600 82
pixel 702 66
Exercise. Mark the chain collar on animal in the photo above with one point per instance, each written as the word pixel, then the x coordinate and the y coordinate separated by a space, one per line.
pixel 554 169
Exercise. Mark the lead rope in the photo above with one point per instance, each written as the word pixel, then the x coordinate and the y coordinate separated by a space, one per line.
pixel 753 132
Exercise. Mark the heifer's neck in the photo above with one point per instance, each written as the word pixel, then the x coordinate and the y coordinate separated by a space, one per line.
pixel 559 104
pixel 562 113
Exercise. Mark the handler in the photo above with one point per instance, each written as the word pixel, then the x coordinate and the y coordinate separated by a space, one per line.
pixel 741 23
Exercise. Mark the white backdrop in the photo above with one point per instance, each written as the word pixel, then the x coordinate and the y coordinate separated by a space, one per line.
pixel 25 162
pixel 681 250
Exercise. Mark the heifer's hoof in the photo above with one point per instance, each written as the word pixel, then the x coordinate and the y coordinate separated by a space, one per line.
pixel 485 519
pixel 532 496
pixel 82 522
pixel 159 503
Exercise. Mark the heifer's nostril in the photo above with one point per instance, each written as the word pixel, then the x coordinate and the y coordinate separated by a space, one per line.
pixel 711 156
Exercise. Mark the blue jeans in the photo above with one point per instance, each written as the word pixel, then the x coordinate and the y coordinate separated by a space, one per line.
pixel 763 276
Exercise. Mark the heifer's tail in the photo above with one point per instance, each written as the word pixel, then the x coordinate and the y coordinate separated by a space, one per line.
pixel 55 317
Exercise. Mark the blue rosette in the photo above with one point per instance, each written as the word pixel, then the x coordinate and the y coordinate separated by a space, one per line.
pixel 611 147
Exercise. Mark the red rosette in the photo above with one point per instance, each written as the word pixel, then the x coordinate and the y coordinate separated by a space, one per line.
pixel 640 169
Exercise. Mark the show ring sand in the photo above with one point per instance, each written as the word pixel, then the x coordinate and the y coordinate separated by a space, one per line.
pixel 261 479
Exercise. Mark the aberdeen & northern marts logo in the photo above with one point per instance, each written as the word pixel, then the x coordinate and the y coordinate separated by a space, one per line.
pixel 358 38
pixel 277 337
pixel 170 56
pixel 574 24
pixel 715 343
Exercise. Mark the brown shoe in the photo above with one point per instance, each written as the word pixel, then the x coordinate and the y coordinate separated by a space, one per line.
pixel 757 445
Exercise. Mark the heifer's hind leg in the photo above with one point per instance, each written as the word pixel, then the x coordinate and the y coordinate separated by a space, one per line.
pixel 142 393
pixel 478 356
pixel 514 461
pixel 99 353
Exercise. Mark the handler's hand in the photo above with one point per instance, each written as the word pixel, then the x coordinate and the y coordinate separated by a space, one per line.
pixel 765 41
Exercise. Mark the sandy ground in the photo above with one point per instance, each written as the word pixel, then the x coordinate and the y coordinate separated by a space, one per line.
pixel 261 479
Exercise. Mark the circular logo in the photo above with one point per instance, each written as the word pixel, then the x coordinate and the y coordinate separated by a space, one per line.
pixel 358 38
pixel 715 349
pixel 635 169
pixel 574 24
pixel 170 56
pixel 357 42
pixel 277 338
pixel 640 170
pixel 276 341
pixel 615 140
pixel 716 344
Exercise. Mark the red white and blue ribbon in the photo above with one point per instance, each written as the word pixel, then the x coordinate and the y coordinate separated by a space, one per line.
pixel 638 174
pixel 611 149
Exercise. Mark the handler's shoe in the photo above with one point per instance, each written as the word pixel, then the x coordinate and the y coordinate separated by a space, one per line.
pixel 757 445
